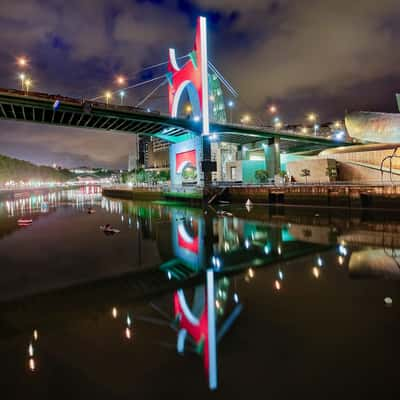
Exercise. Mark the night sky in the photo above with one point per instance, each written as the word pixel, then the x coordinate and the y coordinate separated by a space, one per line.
pixel 323 56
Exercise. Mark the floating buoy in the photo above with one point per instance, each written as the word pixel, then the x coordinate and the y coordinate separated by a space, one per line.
pixel 388 301
pixel 248 202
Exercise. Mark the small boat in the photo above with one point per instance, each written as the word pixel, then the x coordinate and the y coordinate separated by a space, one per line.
pixel 24 222
pixel 109 229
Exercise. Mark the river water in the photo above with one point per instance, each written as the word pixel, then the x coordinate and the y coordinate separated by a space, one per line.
pixel 228 302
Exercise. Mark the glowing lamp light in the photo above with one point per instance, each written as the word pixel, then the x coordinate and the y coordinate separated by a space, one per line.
pixel 128 333
pixel 316 272
pixel 188 109
pixel 231 104
pixel 196 118
pixel 312 117
pixel 121 80
pixel 30 350
pixel 320 262
pixel 304 130
pixel 251 273
pixel 273 109
pixel 280 274
pixel 340 260
pixel 279 249
pixel 32 365
pixel 128 320
pixel 107 95
pixel 22 62
pixel 277 285
pixel 35 334
pixel 114 312
pixel 236 298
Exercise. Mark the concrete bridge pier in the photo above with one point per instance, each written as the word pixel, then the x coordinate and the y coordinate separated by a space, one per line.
pixel 272 157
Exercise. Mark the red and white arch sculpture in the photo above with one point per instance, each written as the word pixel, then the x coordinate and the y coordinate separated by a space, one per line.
pixel 193 76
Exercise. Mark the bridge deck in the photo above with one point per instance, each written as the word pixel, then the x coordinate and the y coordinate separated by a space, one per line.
pixel 39 107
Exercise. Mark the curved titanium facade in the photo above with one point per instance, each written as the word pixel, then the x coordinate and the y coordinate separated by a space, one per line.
pixel 374 127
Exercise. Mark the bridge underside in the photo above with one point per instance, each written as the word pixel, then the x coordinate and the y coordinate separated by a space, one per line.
pixel 41 108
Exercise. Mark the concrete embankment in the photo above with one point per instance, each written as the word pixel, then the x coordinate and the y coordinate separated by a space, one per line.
pixel 353 196
pixel 350 196
pixel 12 194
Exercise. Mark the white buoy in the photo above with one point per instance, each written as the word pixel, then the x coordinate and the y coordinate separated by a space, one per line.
pixel 248 202
pixel 388 301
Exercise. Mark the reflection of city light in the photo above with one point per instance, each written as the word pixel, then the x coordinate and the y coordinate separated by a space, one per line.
pixel 267 249
pixel 236 298
pixel 114 312
pixel 251 273
pixel 128 320
pixel 247 243
pixel 280 274
pixel 340 260
pixel 32 365
pixel 35 334
pixel 128 333
pixel 342 250
pixel 279 250
pixel 319 262
pixel 217 304
pixel 169 275
pixel 277 285
pixel 315 272
pixel 30 350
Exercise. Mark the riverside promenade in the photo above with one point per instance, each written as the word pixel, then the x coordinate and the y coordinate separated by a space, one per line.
pixel 348 195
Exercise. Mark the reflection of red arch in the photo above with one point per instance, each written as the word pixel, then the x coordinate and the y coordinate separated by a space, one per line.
pixel 197 327
pixel 186 241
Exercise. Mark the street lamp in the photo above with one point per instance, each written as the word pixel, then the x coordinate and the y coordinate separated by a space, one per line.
pixel 316 127
pixel 338 124
pixel 22 77
pixel 245 119
pixel 273 109
pixel 278 125
pixel 121 95
pixel 121 80
pixel 107 95
pixel 188 109
pixel 304 130
pixel 312 117
pixel 22 62
pixel 231 104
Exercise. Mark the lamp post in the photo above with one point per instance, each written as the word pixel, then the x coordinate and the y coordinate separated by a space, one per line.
pixel 107 95
pixel 313 118
pixel 231 104
pixel 22 77
pixel 121 95
pixel 28 84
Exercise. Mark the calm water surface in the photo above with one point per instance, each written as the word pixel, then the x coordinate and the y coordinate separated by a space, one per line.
pixel 265 303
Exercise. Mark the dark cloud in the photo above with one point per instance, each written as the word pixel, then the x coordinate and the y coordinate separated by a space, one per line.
pixel 326 56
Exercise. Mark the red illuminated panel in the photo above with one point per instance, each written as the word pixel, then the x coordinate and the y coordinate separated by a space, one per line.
pixel 184 159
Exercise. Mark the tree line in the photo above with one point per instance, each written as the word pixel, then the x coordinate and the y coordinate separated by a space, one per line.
pixel 19 170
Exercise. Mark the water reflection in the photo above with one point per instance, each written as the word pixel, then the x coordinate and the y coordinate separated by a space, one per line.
pixel 202 256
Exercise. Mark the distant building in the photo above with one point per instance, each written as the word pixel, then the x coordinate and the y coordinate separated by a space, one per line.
pixel 158 154
pixel 132 161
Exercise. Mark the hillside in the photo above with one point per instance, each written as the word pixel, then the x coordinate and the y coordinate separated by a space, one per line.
pixel 19 170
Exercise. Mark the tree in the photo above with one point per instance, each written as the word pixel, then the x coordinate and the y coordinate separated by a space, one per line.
pixel 261 176
pixel 305 173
